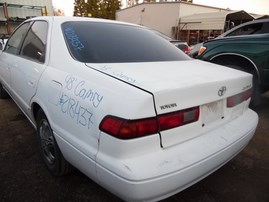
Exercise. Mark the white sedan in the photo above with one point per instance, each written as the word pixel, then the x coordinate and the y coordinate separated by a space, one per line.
pixel 124 106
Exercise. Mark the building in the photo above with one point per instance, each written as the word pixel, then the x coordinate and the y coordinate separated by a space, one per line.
pixel 185 21
pixel 13 12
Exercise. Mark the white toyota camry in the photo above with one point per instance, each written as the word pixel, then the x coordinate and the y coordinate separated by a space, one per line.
pixel 124 106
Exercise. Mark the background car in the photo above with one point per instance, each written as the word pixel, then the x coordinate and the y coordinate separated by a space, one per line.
pixel 248 28
pixel 182 45
pixel 3 40
pixel 245 48
pixel 125 106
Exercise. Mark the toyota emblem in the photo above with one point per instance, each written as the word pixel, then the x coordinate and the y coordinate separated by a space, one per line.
pixel 222 91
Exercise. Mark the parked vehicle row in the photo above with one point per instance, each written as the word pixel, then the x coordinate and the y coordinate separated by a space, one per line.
pixel 182 45
pixel 245 48
pixel 125 106
pixel 248 28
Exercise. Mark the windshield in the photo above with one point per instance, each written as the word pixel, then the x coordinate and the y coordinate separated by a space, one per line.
pixel 99 42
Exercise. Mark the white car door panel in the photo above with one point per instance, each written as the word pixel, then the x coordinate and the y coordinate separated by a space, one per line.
pixel 25 75
pixel 5 70
pixel 25 61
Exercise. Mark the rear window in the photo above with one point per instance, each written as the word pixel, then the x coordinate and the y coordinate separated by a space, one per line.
pixel 98 42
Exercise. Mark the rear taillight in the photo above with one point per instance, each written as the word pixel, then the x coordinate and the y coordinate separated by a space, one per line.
pixel 187 49
pixel 179 118
pixel 129 129
pixel 238 98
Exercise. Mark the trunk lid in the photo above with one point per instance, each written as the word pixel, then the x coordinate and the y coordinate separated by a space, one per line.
pixel 181 85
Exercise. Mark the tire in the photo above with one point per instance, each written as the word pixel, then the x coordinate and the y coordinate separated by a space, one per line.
pixel 256 91
pixel 49 149
pixel 3 93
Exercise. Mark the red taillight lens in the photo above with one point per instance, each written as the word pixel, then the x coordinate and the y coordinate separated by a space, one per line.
pixel 239 98
pixel 176 119
pixel 128 129
pixel 187 49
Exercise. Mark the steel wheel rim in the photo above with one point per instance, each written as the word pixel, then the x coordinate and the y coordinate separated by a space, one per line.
pixel 47 142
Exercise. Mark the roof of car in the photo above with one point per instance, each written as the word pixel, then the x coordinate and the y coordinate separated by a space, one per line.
pixel 69 18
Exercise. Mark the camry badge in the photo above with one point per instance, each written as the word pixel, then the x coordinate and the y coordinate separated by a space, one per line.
pixel 222 91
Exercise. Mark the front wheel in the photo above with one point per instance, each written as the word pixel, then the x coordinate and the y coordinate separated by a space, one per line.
pixel 3 93
pixel 49 149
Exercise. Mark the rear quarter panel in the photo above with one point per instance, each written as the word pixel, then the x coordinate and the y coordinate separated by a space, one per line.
pixel 75 98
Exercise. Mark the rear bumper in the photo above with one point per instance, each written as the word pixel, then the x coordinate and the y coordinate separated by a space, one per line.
pixel 158 175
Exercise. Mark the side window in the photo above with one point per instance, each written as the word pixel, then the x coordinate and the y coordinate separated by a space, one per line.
pixel 265 28
pixel 14 44
pixel 34 46
pixel 247 30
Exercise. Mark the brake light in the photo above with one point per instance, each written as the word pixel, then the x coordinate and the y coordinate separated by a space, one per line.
pixel 179 118
pixel 129 129
pixel 239 98
pixel 187 49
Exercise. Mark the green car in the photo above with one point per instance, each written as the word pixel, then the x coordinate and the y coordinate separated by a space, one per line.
pixel 249 53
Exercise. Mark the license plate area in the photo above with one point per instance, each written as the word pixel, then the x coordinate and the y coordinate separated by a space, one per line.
pixel 212 112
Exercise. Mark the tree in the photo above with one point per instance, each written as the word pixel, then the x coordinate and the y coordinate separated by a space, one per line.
pixel 93 9
pixel 80 8
pixel 108 8
pixel 97 8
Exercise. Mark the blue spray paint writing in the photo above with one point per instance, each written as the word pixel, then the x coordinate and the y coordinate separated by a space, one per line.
pixel 118 74
pixel 104 68
pixel 73 38
pixel 73 109
pixel 69 82
pixel 124 77
pixel 84 94
pixel 79 90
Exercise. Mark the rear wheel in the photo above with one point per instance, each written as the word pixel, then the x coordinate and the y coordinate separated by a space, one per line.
pixel 244 65
pixel 3 93
pixel 49 149
pixel 256 92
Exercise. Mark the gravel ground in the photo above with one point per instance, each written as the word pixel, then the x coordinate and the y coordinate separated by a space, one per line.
pixel 24 177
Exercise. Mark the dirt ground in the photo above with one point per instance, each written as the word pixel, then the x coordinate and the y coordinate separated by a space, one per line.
pixel 24 177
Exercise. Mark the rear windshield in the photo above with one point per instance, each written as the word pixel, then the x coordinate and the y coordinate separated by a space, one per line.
pixel 98 42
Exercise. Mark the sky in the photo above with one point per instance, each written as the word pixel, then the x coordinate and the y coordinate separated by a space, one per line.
pixel 250 6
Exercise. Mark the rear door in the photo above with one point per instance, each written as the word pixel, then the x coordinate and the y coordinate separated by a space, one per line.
pixel 28 62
